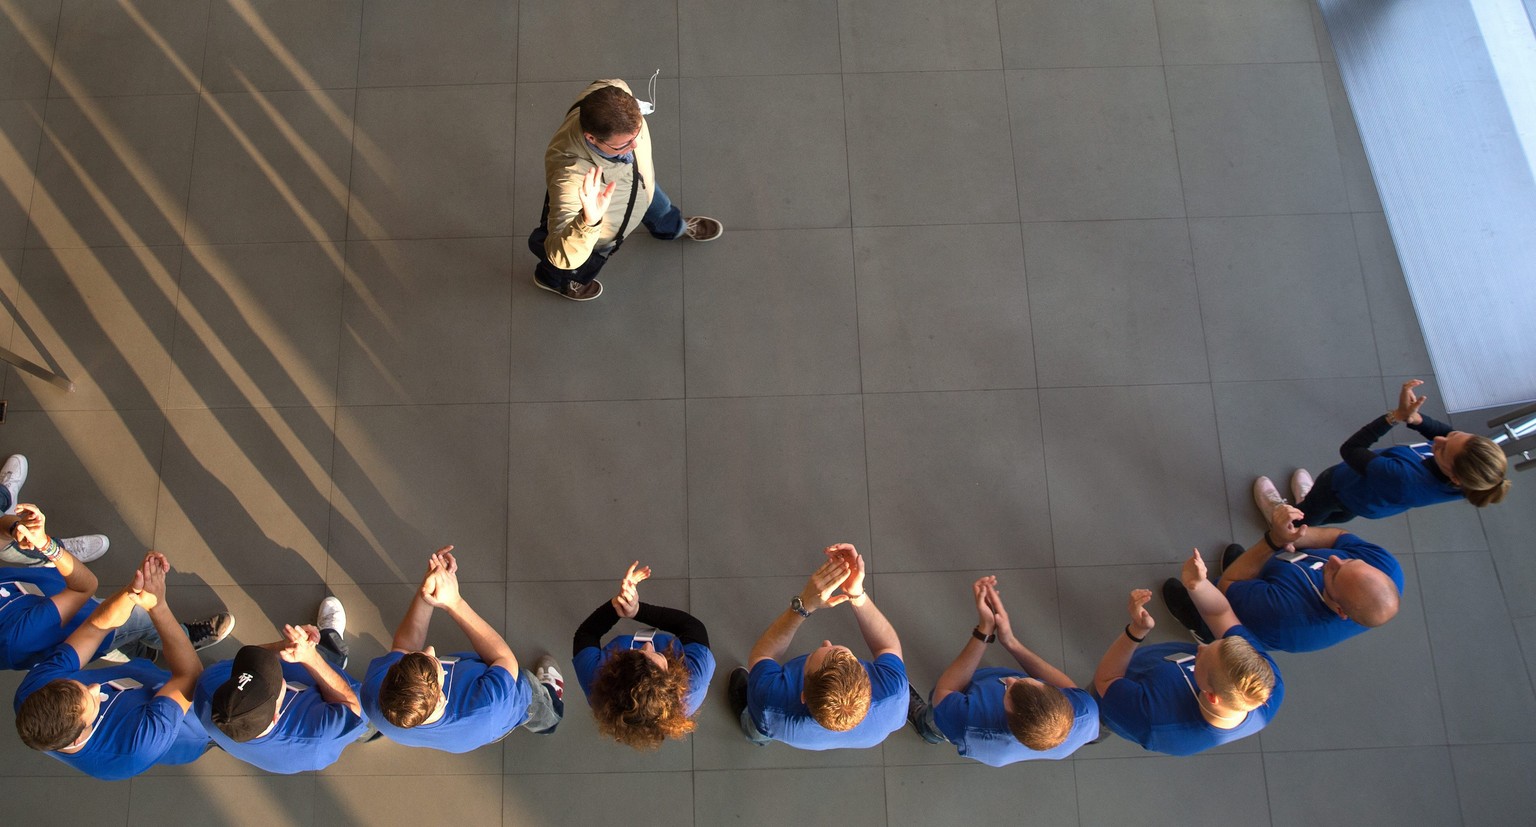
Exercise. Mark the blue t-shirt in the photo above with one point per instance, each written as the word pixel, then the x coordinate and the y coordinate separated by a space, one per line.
pixel 1284 607
pixel 310 733
pixel 29 623
pixel 976 722
pixel 484 704
pixel 134 730
pixel 696 656
pixel 1399 478
pixel 773 701
pixel 1155 704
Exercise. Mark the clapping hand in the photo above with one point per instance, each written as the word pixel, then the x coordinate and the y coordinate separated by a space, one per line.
pixel 440 588
pixel 1409 403
pixel 820 590
pixel 627 601
pixel 302 641
pixel 853 583
pixel 1141 619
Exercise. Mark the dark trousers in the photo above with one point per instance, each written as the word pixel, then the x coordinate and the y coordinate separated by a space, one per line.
pixel 1321 506
pixel 663 219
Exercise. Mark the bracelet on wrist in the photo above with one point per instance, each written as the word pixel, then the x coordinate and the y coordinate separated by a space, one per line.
pixel 1271 543
pixel 984 638
pixel 1131 636
pixel 1389 416
pixel 51 550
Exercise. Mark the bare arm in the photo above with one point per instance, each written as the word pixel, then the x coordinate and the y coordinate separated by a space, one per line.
pixel 1209 600
pixel 441 590
pixel 817 594
pixel 411 634
pixel 1118 657
pixel 301 648
pixel 176 652
pixel 775 641
pixel 1036 666
pixel 1281 533
pixel 878 633
pixel 29 529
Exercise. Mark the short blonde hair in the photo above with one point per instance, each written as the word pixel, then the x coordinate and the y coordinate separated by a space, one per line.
pixel 838 694
pixel 1242 678
pixel 1042 717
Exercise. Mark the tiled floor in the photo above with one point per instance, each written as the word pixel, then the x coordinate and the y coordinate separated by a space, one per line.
pixel 1018 286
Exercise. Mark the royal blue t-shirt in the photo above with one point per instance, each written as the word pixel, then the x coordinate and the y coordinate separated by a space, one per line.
pixel 976 721
pixel 484 704
pixel 29 623
pixel 773 701
pixel 134 729
pixel 1284 607
pixel 310 733
pixel 1399 478
pixel 1155 704
pixel 696 656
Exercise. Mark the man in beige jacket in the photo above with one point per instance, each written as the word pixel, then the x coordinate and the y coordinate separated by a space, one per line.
pixel 600 179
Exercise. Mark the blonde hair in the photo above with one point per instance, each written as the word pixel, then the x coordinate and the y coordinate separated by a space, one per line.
pixel 1243 678
pixel 838 694
pixel 1479 470
pixel 1042 717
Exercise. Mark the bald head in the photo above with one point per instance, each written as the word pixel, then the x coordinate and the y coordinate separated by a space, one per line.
pixel 1365 594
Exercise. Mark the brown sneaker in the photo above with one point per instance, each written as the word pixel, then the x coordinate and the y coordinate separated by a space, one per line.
pixel 703 228
pixel 575 291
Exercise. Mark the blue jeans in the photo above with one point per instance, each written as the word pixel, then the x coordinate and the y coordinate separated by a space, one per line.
pixel 749 728
pixel 137 636
pixel 544 710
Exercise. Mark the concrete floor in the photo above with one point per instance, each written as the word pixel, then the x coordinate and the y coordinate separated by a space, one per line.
pixel 1024 287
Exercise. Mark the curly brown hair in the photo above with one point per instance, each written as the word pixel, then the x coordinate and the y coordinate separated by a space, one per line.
pixel 637 702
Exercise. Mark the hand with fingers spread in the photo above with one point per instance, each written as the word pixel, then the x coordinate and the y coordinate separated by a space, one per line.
pixel 820 590
pixel 595 197
pixel 627 601
pixel 1193 572
pixel 1285 526
pixel 1409 403
pixel 1141 620
pixel 986 619
pixel 853 584
pixel 302 641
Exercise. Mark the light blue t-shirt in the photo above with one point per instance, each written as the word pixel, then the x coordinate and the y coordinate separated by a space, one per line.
pixel 773 701
pixel 310 733
pixel 1156 703
pixel 976 721
pixel 484 704
pixel 696 656
pixel 1283 608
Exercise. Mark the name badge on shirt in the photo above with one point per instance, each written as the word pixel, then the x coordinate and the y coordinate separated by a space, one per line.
pixel 20 586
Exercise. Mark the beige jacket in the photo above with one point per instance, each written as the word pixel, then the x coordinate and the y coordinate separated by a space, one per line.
pixel 566 162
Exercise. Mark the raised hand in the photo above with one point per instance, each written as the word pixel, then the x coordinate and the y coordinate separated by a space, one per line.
pixel 999 614
pixel 819 590
pixel 440 589
pixel 1141 619
pixel 1285 525
pixel 594 196
pixel 302 641
pixel 627 601
pixel 150 578
pixel 986 619
pixel 1409 403
pixel 29 531
pixel 1194 571
pixel 853 584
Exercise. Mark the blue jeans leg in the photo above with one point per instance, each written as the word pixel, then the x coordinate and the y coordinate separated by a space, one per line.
pixel 749 729
pixel 333 649
pixel 544 710
pixel 663 219
pixel 137 636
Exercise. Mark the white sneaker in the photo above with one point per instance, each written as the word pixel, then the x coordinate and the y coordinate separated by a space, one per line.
pixel 332 616
pixel 12 474
pixel 86 547
pixel 546 673
pixel 1301 484
pixel 1266 497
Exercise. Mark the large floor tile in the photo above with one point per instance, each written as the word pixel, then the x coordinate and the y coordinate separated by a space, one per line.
pixel 916 174
pixel 1114 302
pixel 426 322
pixel 1485 692
pixel 1045 790
pixel 1250 268
pixel 1093 144
pixel 257 325
pixel 1255 140
pixel 1394 322
pixel 1042 34
pixel 1362 787
pixel 271 166
pixel 27 48
pixel 69 799
pixel 411 44
pixel 794 37
pixel 102 318
pixel 725 797
pixel 270 799
pixel 152 47
pixel 533 799
pixel 765 176
pixel 272 44
pixel 382 799
pixel 626 345
pixel 1525 629
pixel 1358 179
pixel 1202 789
pixel 772 313
pixel 410 479
pixel 1509 527
pixel 586 39
pixel 20 135
pixel 114 171
pixel 94 472
pixel 439 164
pixel 1236 31
pixel 914 36
pixel 1390 665
pixel 593 482
pixel 1155 492
pixel 962 469
pixel 771 478
pixel 1493 782
pixel 245 494
pixel 927 325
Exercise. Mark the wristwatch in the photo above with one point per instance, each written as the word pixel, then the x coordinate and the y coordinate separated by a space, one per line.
pixel 799 606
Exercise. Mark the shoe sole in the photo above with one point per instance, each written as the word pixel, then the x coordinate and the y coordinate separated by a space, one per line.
pixel 542 286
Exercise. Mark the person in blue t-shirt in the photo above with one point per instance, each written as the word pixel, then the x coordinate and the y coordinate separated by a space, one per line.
pixel 456 703
pixel 287 706
pixel 828 699
pixel 643 689
pixel 1179 698
pixel 1294 601
pixel 41 606
pixel 1377 484
pixel 128 718
pixel 1003 716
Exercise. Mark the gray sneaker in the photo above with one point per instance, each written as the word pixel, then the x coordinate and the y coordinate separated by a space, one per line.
pixel 86 547
pixel 332 616
pixel 12 475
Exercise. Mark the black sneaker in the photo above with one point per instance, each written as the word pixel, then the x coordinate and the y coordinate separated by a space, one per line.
pixel 736 691
pixel 1230 555
pixel 1179 604
pixel 917 716
pixel 205 633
